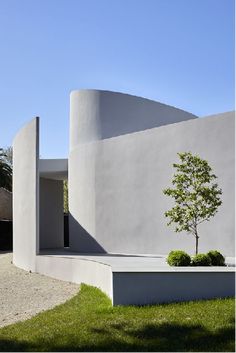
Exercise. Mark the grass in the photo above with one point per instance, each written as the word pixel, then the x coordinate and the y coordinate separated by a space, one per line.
pixel 88 322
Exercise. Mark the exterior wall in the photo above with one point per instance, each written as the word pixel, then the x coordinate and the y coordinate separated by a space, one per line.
pixel 82 199
pixel 25 195
pixel 139 285
pixel 77 271
pixel 165 287
pixel 116 188
pixel 96 115
pixel 51 214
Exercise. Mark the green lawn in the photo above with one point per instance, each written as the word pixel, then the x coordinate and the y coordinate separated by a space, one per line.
pixel 88 322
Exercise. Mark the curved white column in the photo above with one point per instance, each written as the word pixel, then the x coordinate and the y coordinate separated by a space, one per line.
pixel 94 117
pixel 85 120
pixel 26 196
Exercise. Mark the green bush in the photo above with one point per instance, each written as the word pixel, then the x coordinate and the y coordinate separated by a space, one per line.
pixel 217 259
pixel 178 258
pixel 201 260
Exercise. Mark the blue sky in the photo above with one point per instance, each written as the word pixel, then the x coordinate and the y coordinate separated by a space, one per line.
pixel 179 52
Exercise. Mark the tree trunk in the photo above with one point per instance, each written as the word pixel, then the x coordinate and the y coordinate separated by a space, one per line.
pixel 196 250
pixel 196 237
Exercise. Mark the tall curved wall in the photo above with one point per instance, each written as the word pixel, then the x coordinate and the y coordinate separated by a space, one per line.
pixel 117 189
pixel 115 184
pixel 96 116
pixel 26 196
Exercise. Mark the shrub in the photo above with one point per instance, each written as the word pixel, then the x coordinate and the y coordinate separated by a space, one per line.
pixel 178 258
pixel 217 259
pixel 201 260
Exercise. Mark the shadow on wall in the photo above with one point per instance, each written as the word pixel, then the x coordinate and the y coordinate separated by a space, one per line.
pixel 84 242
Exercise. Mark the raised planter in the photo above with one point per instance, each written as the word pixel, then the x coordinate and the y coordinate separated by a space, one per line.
pixel 138 280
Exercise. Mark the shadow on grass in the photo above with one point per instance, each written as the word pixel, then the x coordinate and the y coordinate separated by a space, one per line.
pixel 156 337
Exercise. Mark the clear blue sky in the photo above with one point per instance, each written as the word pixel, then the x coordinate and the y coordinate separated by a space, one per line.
pixel 179 52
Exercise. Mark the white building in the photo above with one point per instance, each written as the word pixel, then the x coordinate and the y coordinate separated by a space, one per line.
pixel 121 153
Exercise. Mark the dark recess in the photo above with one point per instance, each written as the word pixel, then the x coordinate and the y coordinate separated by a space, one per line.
pixel 5 235
pixel 66 230
pixel 6 238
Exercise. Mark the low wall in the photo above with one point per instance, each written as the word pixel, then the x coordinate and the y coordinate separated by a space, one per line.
pixel 136 286
pixel 76 270
pixel 164 287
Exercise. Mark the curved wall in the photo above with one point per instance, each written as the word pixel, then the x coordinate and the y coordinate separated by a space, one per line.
pixel 26 196
pixel 116 198
pixel 97 115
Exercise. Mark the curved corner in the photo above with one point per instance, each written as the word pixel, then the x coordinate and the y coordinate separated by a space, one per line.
pixel 85 122
pixel 32 125
pixel 98 114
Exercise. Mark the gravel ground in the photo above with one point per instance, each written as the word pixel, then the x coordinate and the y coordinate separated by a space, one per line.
pixel 24 294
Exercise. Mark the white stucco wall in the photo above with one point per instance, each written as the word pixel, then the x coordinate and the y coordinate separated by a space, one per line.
pixel 96 115
pixel 25 195
pixel 76 270
pixel 162 287
pixel 116 188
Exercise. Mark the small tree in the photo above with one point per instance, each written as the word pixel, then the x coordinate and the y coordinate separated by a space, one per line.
pixel 196 195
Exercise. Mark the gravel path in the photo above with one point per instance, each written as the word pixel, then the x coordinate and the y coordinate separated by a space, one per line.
pixel 24 294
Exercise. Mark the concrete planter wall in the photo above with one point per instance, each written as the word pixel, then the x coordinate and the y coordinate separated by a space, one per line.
pixel 139 280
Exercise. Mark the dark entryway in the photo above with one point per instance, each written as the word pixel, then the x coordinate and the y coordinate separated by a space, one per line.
pixel 66 230
pixel 6 239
